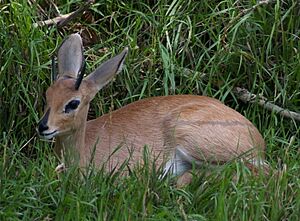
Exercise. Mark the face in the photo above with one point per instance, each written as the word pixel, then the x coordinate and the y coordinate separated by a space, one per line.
pixel 65 110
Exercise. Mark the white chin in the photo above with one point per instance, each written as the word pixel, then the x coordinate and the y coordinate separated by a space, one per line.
pixel 49 136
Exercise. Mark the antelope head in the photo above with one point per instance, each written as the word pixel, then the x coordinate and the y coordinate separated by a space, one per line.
pixel 69 96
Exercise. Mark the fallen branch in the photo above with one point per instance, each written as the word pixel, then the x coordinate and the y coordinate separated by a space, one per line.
pixel 261 2
pixel 247 96
pixel 62 20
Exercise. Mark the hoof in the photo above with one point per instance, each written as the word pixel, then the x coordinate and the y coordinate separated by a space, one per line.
pixel 60 168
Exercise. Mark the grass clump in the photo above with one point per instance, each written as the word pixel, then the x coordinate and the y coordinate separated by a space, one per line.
pixel 176 47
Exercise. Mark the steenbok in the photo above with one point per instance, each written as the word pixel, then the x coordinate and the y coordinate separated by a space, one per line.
pixel 180 131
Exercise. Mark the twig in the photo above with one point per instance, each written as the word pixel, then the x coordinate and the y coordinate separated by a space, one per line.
pixel 261 2
pixel 27 142
pixel 62 20
pixel 246 96
pixel 51 21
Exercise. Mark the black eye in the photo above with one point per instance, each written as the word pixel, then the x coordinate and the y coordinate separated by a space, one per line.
pixel 71 106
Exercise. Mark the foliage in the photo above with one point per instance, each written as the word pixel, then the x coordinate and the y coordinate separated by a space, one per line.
pixel 176 47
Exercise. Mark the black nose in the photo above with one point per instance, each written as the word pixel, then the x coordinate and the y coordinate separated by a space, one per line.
pixel 42 127
pixel 43 123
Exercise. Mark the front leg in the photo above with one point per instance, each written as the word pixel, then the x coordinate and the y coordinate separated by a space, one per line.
pixel 60 168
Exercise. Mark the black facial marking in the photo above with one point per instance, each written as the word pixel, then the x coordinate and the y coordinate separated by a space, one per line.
pixel 43 122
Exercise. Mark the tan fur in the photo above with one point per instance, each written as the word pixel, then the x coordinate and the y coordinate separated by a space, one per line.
pixel 202 126
pixel 179 130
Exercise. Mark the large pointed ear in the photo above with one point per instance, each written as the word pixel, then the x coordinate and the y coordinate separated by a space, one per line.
pixel 70 56
pixel 105 73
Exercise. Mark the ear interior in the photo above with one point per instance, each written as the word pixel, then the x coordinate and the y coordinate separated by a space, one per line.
pixel 70 56
pixel 105 73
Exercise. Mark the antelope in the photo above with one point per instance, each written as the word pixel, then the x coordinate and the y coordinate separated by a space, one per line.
pixel 179 130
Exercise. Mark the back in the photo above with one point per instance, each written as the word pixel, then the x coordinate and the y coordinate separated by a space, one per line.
pixel 199 125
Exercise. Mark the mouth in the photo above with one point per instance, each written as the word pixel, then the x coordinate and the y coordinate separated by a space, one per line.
pixel 48 136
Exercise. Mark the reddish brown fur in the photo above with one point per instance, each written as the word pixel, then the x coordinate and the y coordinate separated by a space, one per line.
pixel 202 126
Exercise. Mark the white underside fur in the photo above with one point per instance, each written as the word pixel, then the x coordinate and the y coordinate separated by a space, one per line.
pixel 181 162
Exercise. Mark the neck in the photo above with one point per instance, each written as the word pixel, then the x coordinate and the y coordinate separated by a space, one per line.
pixel 71 147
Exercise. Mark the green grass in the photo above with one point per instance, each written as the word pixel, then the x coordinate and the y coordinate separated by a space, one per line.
pixel 176 47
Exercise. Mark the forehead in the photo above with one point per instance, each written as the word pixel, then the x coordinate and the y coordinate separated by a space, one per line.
pixel 62 89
